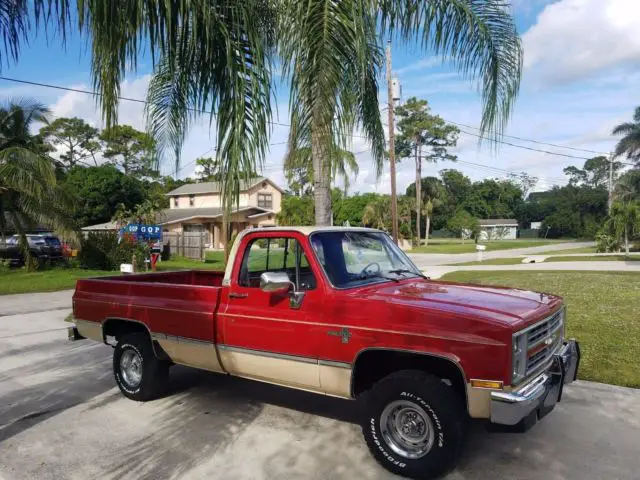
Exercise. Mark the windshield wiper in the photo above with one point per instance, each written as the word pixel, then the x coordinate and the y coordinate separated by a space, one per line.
pixel 404 270
pixel 380 275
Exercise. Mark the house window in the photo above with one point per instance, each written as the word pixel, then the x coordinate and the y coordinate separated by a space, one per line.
pixel 192 200
pixel 175 202
pixel 265 200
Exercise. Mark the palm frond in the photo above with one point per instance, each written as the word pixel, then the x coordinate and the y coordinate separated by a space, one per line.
pixel 14 23
pixel 478 36
pixel 625 128
pixel 331 56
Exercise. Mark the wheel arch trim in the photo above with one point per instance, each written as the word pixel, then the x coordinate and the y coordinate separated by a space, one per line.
pixel 455 362
pixel 130 320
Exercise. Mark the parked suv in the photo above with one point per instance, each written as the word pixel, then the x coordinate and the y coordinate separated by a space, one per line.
pixel 43 248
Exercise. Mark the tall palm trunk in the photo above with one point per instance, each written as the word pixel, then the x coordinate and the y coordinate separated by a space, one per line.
pixel 426 233
pixel 321 174
pixel 418 190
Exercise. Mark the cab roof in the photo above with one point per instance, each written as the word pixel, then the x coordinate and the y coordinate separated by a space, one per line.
pixel 308 230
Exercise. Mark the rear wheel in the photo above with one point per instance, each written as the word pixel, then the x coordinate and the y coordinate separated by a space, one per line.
pixel 414 424
pixel 139 374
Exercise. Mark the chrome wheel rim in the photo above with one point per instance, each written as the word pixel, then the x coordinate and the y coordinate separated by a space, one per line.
pixel 131 367
pixel 407 429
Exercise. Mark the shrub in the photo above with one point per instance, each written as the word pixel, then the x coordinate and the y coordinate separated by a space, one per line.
pixel 607 242
pixel 128 250
pixel 4 266
pixel 97 251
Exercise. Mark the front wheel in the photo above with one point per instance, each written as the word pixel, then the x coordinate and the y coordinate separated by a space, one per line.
pixel 415 424
pixel 139 374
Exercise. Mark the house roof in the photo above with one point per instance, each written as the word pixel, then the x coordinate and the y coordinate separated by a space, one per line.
pixel 101 227
pixel 216 187
pixel 491 222
pixel 173 215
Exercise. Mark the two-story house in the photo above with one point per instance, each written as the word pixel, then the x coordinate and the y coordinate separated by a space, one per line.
pixel 197 207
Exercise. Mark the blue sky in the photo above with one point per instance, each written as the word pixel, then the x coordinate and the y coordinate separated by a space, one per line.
pixel 582 68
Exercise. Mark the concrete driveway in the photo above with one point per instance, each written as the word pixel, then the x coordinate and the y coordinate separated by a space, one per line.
pixel 61 417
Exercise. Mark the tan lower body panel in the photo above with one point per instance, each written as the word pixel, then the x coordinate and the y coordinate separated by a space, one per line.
pixel 329 378
pixel 192 353
pixel 335 380
pixel 91 330
pixel 270 368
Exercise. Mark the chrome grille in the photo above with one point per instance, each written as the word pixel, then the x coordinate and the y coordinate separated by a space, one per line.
pixel 545 339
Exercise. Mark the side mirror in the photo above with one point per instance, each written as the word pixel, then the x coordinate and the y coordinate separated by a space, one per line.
pixel 275 282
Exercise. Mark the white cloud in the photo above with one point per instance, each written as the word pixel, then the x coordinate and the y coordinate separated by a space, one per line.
pixel 418 65
pixel 573 39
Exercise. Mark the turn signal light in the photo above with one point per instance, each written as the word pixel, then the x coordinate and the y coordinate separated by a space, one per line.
pixel 486 384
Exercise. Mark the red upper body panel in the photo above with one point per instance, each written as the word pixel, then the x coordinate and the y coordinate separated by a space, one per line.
pixel 469 324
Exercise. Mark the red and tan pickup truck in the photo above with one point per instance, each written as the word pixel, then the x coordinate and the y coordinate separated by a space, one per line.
pixel 343 312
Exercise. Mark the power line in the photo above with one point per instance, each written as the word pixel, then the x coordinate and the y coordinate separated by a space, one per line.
pixel 145 102
pixel 137 100
pixel 532 140
pixel 525 147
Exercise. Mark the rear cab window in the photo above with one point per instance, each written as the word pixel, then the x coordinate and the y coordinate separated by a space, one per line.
pixel 275 254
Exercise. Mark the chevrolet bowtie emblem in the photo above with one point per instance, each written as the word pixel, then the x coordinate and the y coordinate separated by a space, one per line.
pixel 344 333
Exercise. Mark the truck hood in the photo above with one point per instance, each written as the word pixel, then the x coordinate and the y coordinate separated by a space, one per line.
pixel 507 306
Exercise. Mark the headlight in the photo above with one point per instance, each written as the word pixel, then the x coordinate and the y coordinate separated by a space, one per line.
pixel 519 358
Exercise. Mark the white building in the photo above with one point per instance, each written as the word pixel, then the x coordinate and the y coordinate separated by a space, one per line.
pixel 498 229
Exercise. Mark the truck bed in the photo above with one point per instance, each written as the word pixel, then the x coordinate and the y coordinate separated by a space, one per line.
pixel 181 303
pixel 208 278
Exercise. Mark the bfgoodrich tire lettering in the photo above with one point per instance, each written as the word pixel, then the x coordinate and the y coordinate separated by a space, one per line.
pixel 436 407
pixel 154 373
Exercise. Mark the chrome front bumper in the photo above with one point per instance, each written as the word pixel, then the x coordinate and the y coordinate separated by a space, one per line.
pixel 536 398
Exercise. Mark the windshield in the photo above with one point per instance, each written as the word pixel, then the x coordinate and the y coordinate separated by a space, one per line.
pixel 352 258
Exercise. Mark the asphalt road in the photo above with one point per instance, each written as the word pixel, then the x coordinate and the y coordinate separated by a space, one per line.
pixel 61 417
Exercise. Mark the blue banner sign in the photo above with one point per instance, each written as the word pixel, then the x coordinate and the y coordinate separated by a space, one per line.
pixel 142 232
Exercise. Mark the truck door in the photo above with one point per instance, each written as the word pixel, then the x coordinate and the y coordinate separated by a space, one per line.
pixel 272 336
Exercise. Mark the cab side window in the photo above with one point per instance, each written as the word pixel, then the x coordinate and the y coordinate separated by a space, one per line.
pixel 276 255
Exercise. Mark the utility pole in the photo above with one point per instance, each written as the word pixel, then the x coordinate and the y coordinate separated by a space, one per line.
pixel 610 182
pixel 392 152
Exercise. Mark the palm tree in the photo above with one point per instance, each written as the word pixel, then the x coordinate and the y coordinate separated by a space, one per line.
pixel 624 221
pixel 218 56
pixel 29 194
pixel 377 214
pixel 332 52
pixel 627 187
pixel 629 144
pixel 342 163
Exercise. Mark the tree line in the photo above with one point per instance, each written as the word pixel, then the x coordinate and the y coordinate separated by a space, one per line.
pixel 576 210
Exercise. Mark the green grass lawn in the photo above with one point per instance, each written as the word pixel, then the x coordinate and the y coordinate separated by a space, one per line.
pixel 518 260
pixel 570 251
pixel 213 261
pixel 19 281
pixel 455 246
pixel 607 258
pixel 602 314
pixel 494 261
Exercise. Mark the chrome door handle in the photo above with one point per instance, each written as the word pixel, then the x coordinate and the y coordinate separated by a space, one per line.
pixel 238 295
